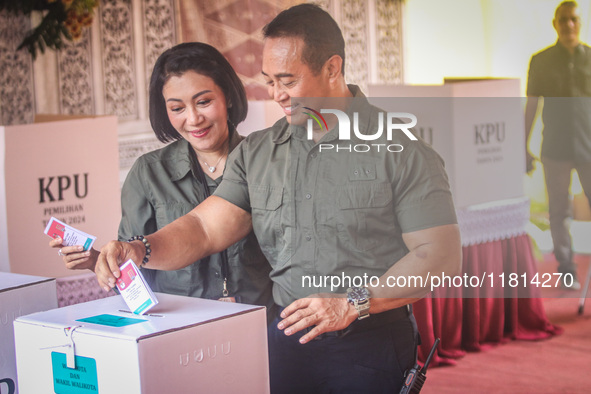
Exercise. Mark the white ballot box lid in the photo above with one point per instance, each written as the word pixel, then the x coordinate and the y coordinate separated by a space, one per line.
pixel 172 313
pixel 11 281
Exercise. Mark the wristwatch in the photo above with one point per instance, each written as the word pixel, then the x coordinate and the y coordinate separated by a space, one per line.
pixel 359 298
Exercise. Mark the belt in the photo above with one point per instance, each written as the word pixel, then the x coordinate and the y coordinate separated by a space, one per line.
pixel 371 322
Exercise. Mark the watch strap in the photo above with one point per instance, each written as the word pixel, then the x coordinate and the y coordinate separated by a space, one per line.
pixel 360 303
pixel 362 309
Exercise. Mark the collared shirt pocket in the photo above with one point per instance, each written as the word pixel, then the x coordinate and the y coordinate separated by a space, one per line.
pixel 271 222
pixel 365 172
pixel 367 217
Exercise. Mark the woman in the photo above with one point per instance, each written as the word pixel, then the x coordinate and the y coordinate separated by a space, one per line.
pixel 195 100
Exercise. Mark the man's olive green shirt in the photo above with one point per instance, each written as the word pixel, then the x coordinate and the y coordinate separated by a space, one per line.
pixel 162 186
pixel 564 80
pixel 324 214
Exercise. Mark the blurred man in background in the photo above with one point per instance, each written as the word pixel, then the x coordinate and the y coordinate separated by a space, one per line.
pixel 561 74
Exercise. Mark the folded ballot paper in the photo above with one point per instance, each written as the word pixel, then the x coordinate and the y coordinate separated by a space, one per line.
pixel 69 234
pixel 134 289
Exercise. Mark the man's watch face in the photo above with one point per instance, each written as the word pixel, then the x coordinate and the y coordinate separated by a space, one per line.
pixel 358 293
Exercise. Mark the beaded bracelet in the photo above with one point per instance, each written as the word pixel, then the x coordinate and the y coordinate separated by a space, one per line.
pixel 146 245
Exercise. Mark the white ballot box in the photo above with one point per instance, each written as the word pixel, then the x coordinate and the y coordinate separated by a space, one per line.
pixel 184 345
pixel 477 127
pixel 19 295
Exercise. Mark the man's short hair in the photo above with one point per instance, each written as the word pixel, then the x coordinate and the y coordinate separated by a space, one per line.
pixel 321 34
pixel 568 3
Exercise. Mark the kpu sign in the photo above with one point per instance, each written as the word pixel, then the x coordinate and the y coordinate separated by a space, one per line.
pixel 67 168
pixel 477 127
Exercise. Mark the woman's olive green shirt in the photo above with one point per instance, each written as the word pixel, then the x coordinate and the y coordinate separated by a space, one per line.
pixel 162 186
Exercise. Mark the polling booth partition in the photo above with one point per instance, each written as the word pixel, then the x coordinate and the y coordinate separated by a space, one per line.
pixel 477 127
pixel 65 167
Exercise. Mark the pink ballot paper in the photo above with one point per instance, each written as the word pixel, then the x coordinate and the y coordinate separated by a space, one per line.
pixel 69 234
pixel 135 291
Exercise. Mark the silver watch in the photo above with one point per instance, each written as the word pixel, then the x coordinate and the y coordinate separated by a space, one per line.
pixel 359 297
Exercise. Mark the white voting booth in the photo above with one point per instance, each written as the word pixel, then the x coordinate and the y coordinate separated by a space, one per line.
pixel 183 345
pixel 476 126
pixel 67 167
pixel 261 114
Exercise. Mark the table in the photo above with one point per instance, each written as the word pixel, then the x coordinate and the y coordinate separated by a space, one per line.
pixel 494 241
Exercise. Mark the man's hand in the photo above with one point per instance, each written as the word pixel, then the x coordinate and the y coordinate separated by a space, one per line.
pixel 531 109
pixel 112 256
pixel 327 312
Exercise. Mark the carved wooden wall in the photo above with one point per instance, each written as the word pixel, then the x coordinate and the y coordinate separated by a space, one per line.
pixel 372 30
pixel 107 70
pixel 16 78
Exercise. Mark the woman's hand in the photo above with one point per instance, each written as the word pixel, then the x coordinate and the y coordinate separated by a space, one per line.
pixel 75 257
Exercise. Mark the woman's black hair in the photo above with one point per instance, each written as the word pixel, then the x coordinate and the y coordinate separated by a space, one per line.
pixel 205 60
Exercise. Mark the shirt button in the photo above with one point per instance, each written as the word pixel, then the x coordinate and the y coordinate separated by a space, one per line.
pixel 313 155
pixel 356 172
pixel 217 274
pixel 308 196
pixel 368 171
pixel 308 238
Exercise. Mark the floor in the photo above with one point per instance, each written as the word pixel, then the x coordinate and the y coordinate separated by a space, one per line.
pixel 560 364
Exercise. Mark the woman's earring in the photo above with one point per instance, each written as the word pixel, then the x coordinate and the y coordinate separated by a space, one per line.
pixel 233 127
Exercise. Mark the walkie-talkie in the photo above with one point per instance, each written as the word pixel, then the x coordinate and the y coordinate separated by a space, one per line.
pixel 416 376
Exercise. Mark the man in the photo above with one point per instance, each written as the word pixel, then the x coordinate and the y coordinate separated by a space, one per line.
pixel 562 75
pixel 323 214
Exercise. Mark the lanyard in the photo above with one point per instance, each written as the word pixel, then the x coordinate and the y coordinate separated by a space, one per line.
pixel 197 170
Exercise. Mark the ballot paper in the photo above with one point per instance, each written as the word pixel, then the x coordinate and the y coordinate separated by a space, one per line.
pixel 69 234
pixel 134 289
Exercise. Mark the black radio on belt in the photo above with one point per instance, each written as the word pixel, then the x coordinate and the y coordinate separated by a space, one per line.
pixel 416 376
